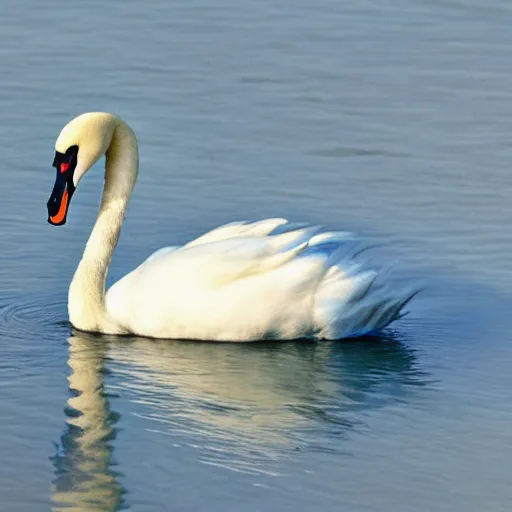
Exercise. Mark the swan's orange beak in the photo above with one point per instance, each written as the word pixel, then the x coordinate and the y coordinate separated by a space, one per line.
pixel 63 190
pixel 58 204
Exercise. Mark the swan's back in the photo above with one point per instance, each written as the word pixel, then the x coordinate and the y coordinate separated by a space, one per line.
pixel 253 281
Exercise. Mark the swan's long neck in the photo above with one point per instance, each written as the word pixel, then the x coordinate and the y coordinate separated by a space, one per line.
pixel 86 301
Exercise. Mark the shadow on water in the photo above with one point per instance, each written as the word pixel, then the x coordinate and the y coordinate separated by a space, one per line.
pixel 357 375
pixel 241 406
pixel 85 479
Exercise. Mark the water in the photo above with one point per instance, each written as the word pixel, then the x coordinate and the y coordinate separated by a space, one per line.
pixel 392 119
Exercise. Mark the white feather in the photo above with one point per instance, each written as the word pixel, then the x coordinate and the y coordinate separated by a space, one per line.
pixel 249 288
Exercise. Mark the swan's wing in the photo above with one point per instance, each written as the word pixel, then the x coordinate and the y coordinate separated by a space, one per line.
pixel 225 258
pixel 252 281
pixel 220 284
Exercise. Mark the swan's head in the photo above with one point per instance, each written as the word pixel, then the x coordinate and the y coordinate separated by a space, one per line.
pixel 81 143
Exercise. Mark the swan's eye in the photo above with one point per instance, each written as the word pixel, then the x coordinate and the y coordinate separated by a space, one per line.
pixel 64 167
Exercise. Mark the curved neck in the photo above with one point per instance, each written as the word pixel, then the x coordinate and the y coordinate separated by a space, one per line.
pixel 86 301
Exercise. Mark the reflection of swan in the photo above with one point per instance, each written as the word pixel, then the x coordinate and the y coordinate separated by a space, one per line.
pixel 245 405
pixel 84 479
pixel 239 282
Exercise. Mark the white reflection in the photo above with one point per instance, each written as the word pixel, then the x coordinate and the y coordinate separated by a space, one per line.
pixel 246 404
pixel 85 480
pixel 242 406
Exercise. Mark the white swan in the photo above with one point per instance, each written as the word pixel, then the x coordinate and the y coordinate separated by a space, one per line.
pixel 240 282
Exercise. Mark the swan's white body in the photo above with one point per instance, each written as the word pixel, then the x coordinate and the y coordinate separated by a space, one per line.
pixel 239 282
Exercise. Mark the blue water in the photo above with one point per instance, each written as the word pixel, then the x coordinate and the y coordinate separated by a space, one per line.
pixel 390 119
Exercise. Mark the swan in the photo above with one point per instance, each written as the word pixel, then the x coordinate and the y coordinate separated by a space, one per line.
pixel 244 281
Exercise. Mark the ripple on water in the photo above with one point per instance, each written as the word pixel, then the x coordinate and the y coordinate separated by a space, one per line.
pixel 30 316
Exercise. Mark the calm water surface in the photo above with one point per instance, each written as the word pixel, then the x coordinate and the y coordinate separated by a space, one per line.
pixel 393 119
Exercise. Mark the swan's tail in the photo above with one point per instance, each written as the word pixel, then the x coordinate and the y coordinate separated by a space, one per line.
pixel 351 301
